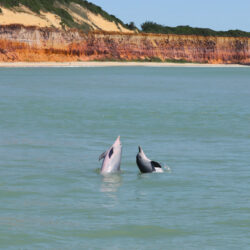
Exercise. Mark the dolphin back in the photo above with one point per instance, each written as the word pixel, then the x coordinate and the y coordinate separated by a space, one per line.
pixel 144 166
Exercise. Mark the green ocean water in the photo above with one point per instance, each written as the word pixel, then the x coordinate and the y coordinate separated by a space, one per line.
pixel 55 122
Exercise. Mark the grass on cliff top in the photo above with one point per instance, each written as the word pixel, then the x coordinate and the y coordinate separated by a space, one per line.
pixel 49 5
pixel 151 27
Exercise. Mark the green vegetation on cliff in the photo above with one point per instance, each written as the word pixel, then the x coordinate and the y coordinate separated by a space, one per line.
pixel 151 27
pixel 54 6
pixel 61 7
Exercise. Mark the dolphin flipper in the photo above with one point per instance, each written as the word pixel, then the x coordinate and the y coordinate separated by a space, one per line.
pixel 103 155
pixel 155 164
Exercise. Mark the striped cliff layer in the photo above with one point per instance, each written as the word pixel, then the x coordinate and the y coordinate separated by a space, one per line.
pixel 38 44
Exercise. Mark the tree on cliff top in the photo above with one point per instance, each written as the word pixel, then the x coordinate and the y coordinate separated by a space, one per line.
pixel 152 27
pixel 131 26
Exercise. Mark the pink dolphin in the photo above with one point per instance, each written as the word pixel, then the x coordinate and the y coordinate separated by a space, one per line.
pixel 112 158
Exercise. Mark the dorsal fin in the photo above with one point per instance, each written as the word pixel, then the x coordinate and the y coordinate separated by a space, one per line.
pixel 155 164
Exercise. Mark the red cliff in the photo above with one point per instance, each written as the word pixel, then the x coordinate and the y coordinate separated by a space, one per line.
pixel 32 44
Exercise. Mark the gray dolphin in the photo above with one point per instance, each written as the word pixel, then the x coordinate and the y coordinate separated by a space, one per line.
pixel 112 158
pixel 146 165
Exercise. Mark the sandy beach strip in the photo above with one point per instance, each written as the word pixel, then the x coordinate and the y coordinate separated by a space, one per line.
pixel 109 64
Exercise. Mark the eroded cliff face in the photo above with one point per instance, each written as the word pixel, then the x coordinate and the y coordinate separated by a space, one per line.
pixel 32 44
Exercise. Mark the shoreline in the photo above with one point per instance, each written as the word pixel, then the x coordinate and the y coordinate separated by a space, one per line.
pixel 112 64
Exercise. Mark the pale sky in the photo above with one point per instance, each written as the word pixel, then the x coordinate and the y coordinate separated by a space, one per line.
pixel 215 14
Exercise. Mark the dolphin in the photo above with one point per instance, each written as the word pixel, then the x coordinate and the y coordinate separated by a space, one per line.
pixel 146 165
pixel 112 158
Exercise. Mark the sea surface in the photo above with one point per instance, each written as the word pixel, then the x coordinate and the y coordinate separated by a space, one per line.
pixel 55 122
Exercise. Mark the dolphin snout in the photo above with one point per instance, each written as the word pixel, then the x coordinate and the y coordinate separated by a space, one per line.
pixel 139 147
pixel 118 140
